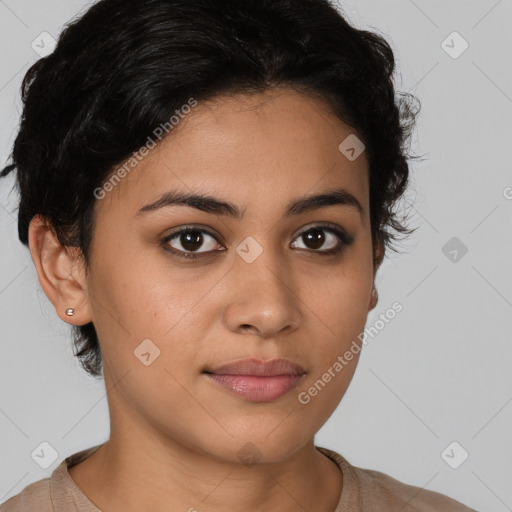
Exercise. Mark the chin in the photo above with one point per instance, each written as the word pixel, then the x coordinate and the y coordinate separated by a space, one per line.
pixel 265 448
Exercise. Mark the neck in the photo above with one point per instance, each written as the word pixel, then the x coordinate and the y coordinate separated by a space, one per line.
pixel 122 475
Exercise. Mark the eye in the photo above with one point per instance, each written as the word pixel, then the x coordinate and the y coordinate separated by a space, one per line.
pixel 187 241
pixel 332 239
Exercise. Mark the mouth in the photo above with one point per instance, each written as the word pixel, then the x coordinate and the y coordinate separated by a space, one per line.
pixel 256 380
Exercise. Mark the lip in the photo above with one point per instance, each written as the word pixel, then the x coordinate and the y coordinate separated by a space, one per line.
pixel 258 368
pixel 256 380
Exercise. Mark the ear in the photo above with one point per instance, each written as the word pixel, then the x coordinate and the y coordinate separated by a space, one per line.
pixel 60 271
pixel 377 260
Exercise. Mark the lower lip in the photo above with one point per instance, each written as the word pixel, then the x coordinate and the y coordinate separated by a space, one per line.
pixel 257 389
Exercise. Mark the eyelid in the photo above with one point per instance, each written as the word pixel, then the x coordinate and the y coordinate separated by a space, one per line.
pixel 186 229
pixel 196 227
pixel 327 226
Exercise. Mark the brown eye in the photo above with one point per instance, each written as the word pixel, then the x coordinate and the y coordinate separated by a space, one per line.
pixel 190 241
pixel 315 238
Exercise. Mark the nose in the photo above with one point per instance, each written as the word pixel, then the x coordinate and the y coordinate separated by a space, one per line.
pixel 264 297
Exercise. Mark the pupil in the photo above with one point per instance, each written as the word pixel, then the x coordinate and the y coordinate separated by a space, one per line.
pixel 191 240
pixel 314 237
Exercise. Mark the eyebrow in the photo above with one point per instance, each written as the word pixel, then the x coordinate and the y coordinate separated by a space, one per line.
pixel 216 206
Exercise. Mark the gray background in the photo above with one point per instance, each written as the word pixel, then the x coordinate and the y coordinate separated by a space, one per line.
pixel 439 372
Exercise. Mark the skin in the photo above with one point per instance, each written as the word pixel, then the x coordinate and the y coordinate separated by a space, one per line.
pixel 175 435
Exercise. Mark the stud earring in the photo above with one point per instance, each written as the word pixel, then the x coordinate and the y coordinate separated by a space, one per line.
pixel 70 311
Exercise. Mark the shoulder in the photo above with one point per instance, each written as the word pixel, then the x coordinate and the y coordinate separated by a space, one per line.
pixel 414 499
pixel 55 493
pixel 379 491
pixel 35 496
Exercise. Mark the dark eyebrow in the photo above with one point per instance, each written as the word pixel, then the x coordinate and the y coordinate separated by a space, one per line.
pixel 330 198
pixel 210 204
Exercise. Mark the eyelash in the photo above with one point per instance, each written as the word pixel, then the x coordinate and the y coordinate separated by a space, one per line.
pixel 345 241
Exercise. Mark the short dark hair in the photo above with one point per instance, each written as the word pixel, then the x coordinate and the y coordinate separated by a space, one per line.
pixel 125 66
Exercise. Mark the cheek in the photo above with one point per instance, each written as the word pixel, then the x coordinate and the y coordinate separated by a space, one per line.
pixel 143 292
pixel 338 318
pixel 339 310
pixel 339 301
pixel 139 301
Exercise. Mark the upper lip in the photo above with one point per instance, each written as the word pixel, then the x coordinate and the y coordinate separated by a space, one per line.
pixel 258 368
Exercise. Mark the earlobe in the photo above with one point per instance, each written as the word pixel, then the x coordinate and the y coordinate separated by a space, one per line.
pixel 60 272
pixel 374 298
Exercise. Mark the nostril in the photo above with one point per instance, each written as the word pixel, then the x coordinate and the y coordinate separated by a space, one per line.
pixel 246 327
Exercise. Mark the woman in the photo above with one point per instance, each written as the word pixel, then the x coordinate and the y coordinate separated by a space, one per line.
pixel 207 193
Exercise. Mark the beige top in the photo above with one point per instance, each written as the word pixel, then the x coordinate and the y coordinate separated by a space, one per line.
pixel 363 490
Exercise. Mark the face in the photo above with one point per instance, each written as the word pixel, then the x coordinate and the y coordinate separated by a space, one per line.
pixel 263 284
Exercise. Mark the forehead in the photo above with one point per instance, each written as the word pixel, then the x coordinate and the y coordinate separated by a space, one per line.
pixel 255 149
